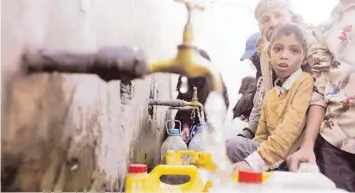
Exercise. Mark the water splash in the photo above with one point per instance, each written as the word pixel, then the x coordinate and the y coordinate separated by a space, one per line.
pixel 184 86
pixel 214 138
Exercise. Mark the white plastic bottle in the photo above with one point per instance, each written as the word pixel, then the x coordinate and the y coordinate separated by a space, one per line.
pixel 173 142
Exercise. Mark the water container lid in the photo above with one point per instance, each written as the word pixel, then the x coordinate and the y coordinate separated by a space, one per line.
pixel 137 168
pixel 174 132
pixel 250 177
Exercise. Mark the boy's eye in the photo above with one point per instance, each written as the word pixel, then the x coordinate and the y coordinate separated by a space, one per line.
pixel 277 49
pixel 295 50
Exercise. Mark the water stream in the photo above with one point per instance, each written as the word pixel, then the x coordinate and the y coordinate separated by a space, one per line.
pixel 215 138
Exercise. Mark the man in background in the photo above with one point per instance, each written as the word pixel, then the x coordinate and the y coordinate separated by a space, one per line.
pixel 255 45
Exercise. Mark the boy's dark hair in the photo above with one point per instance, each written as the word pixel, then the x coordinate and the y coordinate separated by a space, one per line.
pixel 288 29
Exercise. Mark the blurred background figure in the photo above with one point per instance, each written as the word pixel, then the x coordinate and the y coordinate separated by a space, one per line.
pixel 245 104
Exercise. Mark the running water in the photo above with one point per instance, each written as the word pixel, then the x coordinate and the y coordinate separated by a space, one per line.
pixel 215 139
pixel 184 87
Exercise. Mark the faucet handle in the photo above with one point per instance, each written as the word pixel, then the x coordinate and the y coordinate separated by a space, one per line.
pixel 194 95
pixel 188 32
pixel 191 6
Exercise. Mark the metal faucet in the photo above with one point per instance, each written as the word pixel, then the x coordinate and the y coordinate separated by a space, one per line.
pixel 180 104
pixel 188 61
pixel 125 63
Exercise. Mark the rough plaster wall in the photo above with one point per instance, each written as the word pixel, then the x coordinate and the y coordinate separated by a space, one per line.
pixel 52 123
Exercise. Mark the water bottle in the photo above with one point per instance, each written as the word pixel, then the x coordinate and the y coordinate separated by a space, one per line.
pixel 174 140
pixel 196 143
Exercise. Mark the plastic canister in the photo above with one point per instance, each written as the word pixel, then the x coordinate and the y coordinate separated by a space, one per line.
pixel 183 157
pixel 299 180
pixel 139 181
pixel 154 184
pixel 249 181
pixel 135 180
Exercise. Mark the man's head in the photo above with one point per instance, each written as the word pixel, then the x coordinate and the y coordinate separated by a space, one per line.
pixel 272 13
pixel 287 49
pixel 250 46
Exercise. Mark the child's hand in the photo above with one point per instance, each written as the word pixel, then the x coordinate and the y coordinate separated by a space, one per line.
pixel 300 156
pixel 243 165
pixel 185 134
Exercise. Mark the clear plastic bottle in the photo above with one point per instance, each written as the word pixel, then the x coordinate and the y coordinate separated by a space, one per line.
pixel 173 142
pixel 196 143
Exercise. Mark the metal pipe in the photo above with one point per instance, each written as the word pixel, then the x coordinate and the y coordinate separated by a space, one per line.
pixel 124 63
pixel 184 108
pixel 175 103
pixel 109 63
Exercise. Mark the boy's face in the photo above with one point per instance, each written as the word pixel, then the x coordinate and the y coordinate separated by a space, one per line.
pixel 272 18
pixel 286 55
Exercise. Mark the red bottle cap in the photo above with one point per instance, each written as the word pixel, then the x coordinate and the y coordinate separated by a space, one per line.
pixel 137 168
pixel 250 177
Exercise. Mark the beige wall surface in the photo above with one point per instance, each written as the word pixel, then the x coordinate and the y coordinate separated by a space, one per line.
pixel 76 132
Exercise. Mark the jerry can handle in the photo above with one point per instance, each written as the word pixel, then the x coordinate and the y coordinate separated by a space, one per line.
pixel 189 170
pixel 167 125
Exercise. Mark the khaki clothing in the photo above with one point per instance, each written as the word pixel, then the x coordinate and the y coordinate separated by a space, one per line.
pixel 282 121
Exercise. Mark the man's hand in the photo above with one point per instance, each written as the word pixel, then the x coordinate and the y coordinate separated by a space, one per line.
pixel 300 156
pixel 243 165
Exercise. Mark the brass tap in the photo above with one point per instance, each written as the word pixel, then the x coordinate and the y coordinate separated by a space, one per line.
pixel 180 104
pixel 188 61
pixel 187 108
pixel 194 101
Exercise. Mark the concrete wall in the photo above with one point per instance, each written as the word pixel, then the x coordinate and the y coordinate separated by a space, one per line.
pixel 75 132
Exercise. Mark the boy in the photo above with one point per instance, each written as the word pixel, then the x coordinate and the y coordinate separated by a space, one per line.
pixel 284 108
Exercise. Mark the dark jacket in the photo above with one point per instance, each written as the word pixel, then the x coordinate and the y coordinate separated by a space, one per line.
pixel 245 103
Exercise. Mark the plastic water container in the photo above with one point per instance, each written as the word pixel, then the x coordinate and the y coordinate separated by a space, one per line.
pixel 196 143
pixel 183 157
pixel 139 181
pixel 308 167
pixel 299 180
pixel 136 178
pixel 173 142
